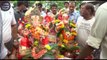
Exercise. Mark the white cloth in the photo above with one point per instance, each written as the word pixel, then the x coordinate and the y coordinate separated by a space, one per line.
pixel 43 14
pixel 83 30
pixel 8 20
pixel 50 14
pixel 98 36
pixel 0 32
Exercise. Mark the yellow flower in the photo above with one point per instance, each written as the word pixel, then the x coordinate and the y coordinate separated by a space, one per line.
pixel 48 47
pixel 62 45
pixel 74 33
pixel 36 42
pixel 61 36
pixel 73 25
pixel 56 21
pixel 61 56
pixel 60 25
pixel 28 25
pixel 65 41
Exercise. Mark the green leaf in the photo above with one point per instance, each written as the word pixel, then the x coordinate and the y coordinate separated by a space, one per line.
pixel 59 32
pixel 54 46
pixel 48 54
pixel 74 48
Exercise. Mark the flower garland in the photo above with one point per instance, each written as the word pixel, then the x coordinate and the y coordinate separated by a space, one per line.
pixel 42 36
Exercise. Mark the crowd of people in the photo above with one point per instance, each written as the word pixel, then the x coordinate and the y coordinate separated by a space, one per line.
pixel 91 26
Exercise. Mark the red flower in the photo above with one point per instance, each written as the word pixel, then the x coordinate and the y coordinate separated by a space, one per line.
pixel 60 17
pixel 23 19
pixel 45 41
pixel 25 42
pixel 20 26
pixel 48 18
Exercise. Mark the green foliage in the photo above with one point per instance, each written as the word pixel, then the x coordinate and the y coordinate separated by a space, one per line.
pixel 31 3
pixel 14 3
pixel 74 48
pixel 59 32
pixel 48 54
pixel 46 4
pixel 78 4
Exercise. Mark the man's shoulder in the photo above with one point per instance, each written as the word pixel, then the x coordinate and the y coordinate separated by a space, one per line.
pixel 49 13
pixel 80 18
pixel 102 7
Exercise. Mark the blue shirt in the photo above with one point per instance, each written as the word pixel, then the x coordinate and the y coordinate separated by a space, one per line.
pixel 74 16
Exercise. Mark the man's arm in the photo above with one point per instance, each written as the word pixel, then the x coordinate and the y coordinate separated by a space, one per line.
pixel 14 31
pixel 87 51
pixel 14 25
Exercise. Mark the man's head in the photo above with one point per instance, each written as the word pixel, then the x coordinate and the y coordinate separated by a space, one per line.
pixel 87 9
pixel 53 8
pixel 71 6
pixel 21 5
pixel 39 6
pixel 5 5
pixel 66 4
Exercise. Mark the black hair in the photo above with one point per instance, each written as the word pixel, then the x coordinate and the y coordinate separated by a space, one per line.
pixel 89 6
pixel 82 4
pixel 39 4
pixel 72 2
pixel 19 3
pixel 53 5
pixel 66 2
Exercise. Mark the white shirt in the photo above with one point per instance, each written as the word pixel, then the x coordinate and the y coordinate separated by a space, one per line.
pixel 8 20
pixel 50 14
pixel 66 9
pixel 83 30
pixel 98 36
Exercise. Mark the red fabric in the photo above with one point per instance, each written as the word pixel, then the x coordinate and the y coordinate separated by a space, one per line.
pixel 19 56
pixel 89 57
pixel 25 42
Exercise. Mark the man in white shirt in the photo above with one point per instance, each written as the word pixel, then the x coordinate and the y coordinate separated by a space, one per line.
pixel 98 36
pixel 53 10
pixel 9 25
pixel 84 23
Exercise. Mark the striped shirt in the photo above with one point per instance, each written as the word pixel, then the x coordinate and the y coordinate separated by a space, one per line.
pixel 8 20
